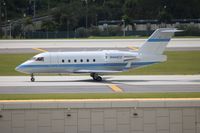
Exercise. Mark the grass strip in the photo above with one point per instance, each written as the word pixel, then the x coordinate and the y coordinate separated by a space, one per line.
pixel 179 62
pixel 98 96
pixel 133 37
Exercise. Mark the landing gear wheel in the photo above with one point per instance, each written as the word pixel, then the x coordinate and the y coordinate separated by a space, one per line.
pixel 96 77
pixel 32 78
pixel 99 78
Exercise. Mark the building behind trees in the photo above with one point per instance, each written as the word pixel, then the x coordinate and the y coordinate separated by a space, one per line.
pixel 82 18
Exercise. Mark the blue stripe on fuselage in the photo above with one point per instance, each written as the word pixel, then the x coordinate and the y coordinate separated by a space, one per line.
pixel 137 64
pixel 158 40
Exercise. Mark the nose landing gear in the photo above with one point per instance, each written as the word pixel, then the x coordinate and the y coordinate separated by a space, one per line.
pixel 32 78
pixel 96 77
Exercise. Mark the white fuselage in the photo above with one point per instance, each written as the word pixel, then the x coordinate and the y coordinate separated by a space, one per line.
pixel 106 61
pixel 100 62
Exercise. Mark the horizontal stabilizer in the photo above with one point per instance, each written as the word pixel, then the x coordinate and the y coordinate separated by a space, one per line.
pixel 173 30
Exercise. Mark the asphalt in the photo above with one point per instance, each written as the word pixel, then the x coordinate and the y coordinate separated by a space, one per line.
pixel 58 45
pixel 29 50
pixel 84 84
pixel 92 43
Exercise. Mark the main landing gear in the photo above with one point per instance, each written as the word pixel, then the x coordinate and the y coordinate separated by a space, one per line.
pixel 96 77
pixel 32 78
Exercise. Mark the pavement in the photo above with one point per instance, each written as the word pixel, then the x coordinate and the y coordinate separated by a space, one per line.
pixel 92 43
pixel 29 50
pixel 110 84
pixel 84 84
pixel 59 45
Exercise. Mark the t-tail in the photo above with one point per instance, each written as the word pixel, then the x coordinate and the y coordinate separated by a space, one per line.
pixel 158 41
pixel 152 50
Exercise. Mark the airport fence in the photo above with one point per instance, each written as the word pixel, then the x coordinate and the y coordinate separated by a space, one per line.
pixel 74 34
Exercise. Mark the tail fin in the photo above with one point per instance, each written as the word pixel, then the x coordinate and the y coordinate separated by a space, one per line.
pixel 156 43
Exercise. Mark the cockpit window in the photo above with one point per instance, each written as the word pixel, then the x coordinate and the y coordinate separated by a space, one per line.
pixel 39 59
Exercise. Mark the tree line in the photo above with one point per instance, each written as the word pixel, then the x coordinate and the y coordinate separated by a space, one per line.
pixel 71 14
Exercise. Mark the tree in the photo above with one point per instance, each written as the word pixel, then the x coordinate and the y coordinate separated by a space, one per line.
pixel 16 30
pixel 68 16
pixel 48 25
pixel 184 9
pixel 126 19
pixel 28 24
pixel 164 17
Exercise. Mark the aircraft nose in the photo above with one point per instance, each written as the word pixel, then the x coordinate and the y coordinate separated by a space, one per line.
pixel 19 69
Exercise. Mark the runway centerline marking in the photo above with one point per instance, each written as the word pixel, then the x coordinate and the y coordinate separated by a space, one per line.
pixel 115 88
pixel 39 49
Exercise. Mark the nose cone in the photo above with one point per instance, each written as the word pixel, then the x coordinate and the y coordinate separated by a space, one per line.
pixel 19 69
pixel 24 67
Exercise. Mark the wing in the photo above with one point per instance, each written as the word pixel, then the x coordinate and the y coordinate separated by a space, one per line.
pixel 130 58
pixel 96 71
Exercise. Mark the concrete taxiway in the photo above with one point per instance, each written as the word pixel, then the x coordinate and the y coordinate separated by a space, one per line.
pixel 111 84
pixel 29 50
pixel 60 45
pixel 84 84
pixel 92 43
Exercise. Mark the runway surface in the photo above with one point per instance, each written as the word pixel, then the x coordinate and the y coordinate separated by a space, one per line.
pixel 92 43
pixel 59 45
pixel 110 84
pixel 84 84
pixel 29 50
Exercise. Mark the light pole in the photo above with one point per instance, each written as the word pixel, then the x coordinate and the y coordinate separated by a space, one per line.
pixel 48 6
pixel 96 19
pixel 86 19
pixel 5 10
pixel 68 28
pixel 86 16
pixel 34 9
pixel 0 18
pixel 0 13
pixel 124 26
pixel 10 25
pixel 5 15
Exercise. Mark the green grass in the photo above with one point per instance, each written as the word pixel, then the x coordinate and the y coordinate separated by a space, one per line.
pixel 133 37
pixel 98 96
pixel 117 37
pixel 181 62
pixel 10 61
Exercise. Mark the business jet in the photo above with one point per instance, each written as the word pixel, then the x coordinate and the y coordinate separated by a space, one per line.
pixel 103 62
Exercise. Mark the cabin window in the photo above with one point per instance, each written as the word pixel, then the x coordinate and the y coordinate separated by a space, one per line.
pixel 94 60
pixel 75 60
pixel 39 59
pixel 88 60
pixel 69 61
pixel 81 60
pixel 63 60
